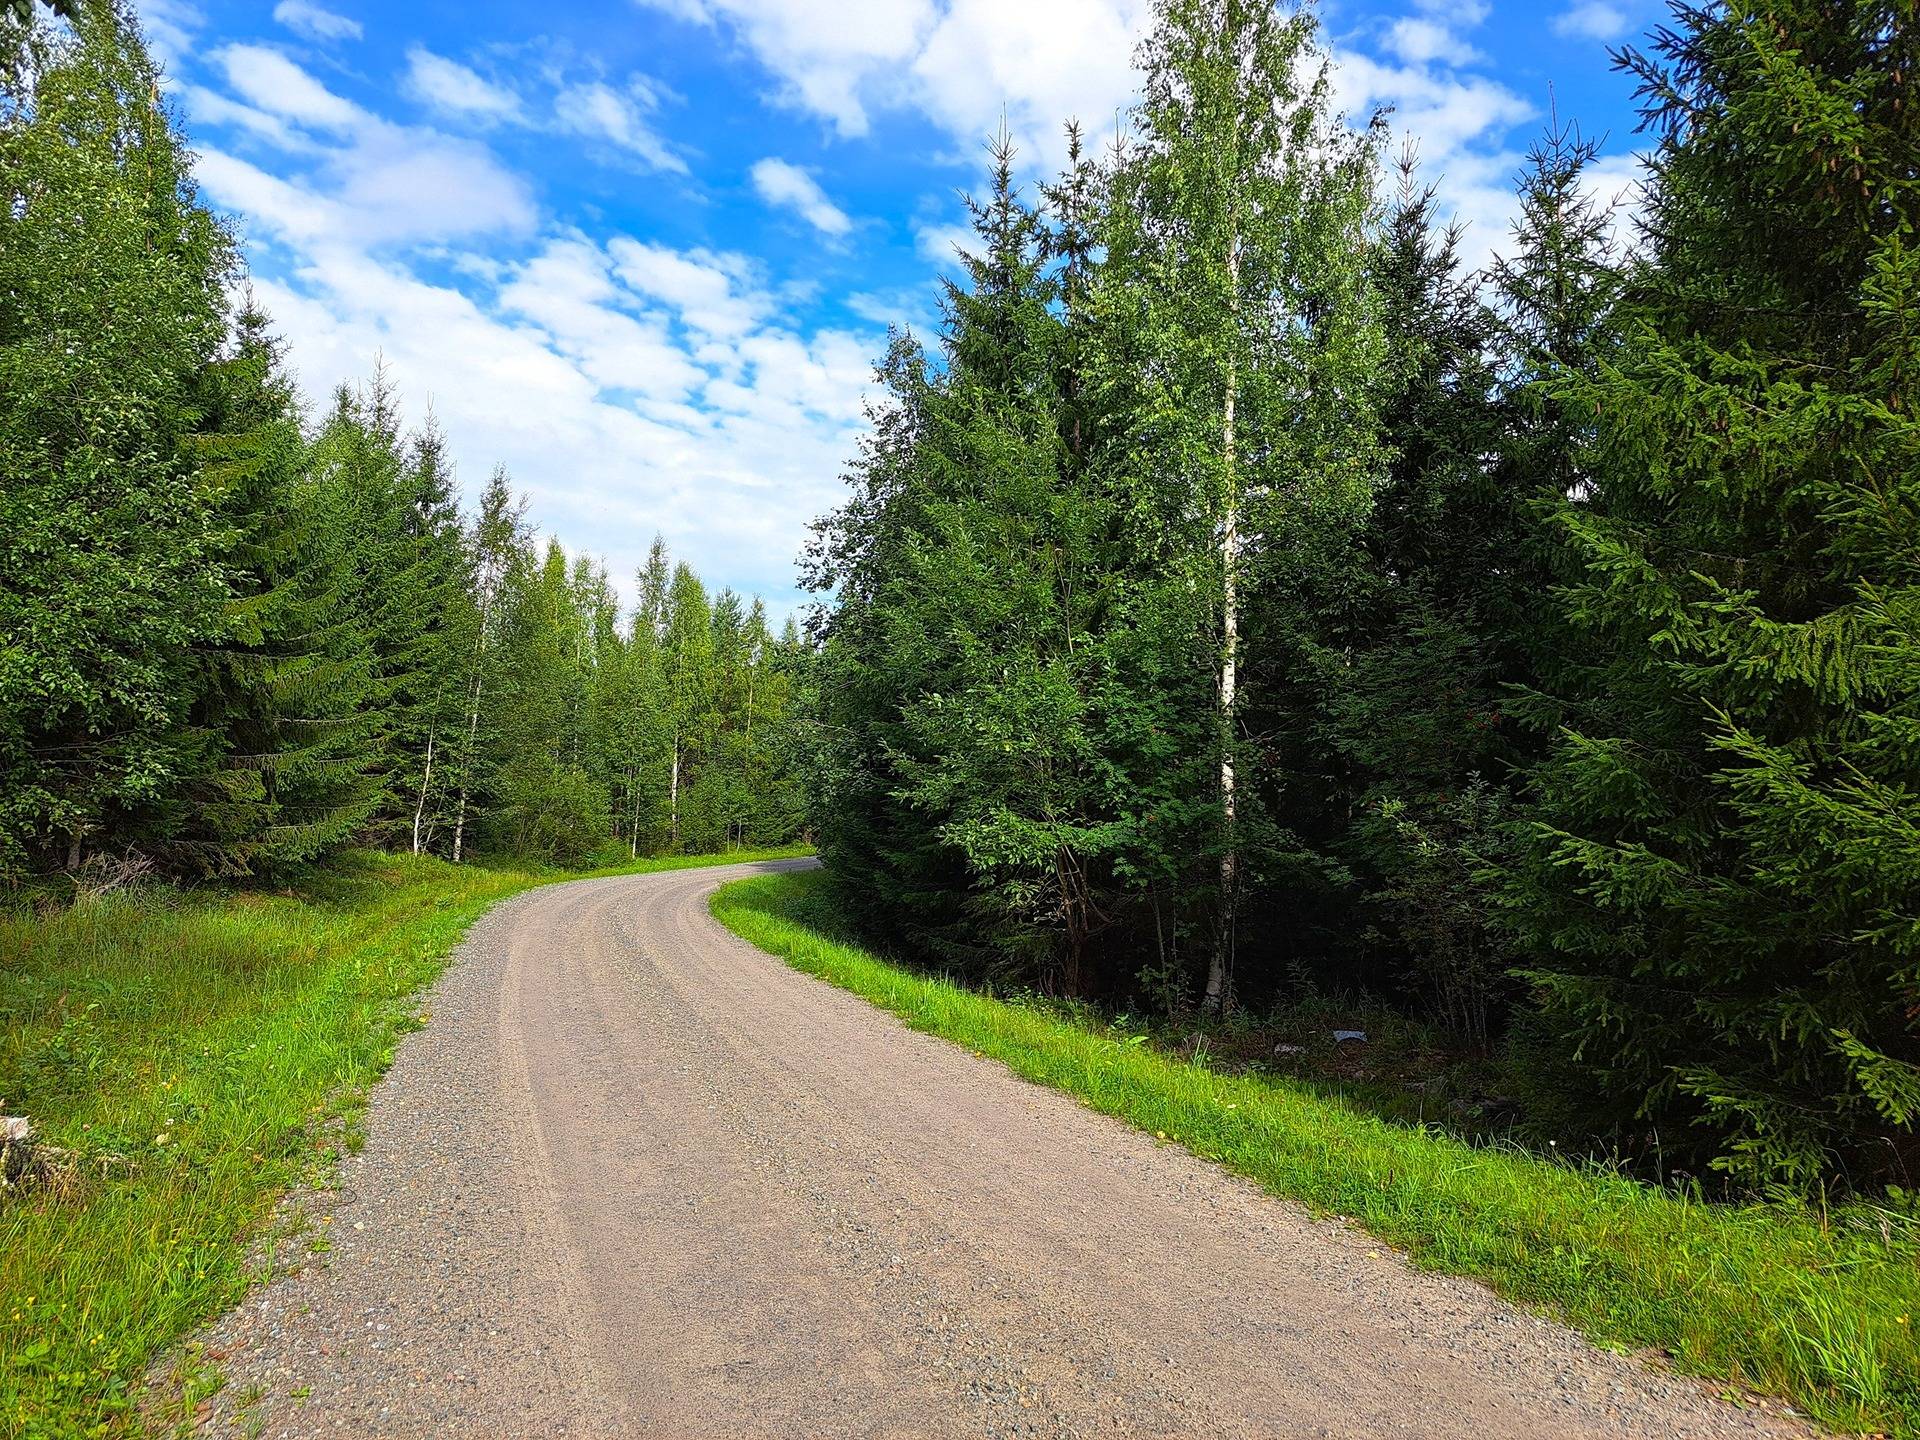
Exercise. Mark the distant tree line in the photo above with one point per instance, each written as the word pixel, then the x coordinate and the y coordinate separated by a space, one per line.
pixel 234 638
pixel 1239 596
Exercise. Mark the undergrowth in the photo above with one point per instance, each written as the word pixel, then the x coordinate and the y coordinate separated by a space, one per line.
pixel 1816 1305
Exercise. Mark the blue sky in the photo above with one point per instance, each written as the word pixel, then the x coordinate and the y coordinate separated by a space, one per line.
pixel 643 252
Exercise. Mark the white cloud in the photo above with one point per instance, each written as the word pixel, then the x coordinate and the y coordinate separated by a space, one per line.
pixel 792 188
pixel 586 403
pixel 310 20
pixel 712 294
pixel 966 64
pixel 169 26
pixel 597 111
pixel 629 386
pixel 1035 65
pixel 1592 20
pixel 903 308
pixel 821 56
pixel 454 89
pixel 211 107
pixel 375 182
pixel 567 289
pixel 1420 40
pixel 276 85
pixel 944 241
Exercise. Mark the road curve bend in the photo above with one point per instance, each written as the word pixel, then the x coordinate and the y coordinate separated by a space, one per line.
pixel 638 1178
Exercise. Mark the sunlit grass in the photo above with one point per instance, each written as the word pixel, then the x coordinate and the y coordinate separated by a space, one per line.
pixel 1815 1306
pixel 193 1054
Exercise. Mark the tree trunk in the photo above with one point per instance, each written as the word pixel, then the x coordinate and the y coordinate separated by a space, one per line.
pixel 426 780
pixel 473 724
pixel 673 795
pixel 1220 969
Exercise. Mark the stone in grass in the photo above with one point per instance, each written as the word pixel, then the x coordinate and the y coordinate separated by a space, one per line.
pixel 1341 1037
pixel 16 1149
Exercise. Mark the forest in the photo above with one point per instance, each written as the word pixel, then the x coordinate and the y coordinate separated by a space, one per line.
pixel 236 637
pixel 1238 598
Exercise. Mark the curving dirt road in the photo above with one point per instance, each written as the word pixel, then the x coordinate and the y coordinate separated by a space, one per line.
pixel 637 1178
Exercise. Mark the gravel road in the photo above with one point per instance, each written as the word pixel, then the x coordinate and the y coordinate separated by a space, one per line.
pixel 637 1178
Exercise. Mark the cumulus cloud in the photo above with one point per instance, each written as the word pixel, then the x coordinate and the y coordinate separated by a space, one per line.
pixel 170 27
pixel 1592 20
pixel 276 85
pixel 713 295
pixel 1420 39
pixel 943 242
pixel 370 182
pixel 454 89
pixel 569 377
pixel 305 18
pixel 598 111
pixel 628 385
pixel 791 188
pixel 966 64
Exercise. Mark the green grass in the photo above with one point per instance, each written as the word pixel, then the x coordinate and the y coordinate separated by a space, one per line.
pixel 1818 1307
pixel 197 1054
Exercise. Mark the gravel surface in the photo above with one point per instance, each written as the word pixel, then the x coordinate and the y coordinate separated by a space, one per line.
pixel 637 1178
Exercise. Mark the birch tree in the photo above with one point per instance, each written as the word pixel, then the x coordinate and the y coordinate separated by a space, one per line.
pixel 1238 244
pixel 496 537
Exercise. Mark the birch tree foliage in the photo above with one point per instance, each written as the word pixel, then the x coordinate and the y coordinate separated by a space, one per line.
pixel 112 306
pixel 1237 248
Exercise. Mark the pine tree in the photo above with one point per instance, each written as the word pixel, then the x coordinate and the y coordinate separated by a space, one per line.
pixel 1723 853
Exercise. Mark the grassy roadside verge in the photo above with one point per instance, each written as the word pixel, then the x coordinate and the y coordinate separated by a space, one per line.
pixel 1816 1307
pixel 195 1052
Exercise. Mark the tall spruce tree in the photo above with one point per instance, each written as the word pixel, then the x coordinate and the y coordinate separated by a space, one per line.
pixel 435 581
pixel 1723 857
pixel 1387 724
pixel 279 695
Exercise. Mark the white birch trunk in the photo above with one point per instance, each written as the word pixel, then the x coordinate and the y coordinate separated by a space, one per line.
pixel 473 728
pixel 426 781
pixel 1220 968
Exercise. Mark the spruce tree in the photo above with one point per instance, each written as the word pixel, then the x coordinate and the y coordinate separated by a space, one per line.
pixel 1723 856
pixel 1388 721
pixel 686 663
pixel 435 581
pixel 278 697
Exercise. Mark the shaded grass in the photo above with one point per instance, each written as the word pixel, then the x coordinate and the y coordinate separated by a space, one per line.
pixel 1815 1306
pixel 195 1054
